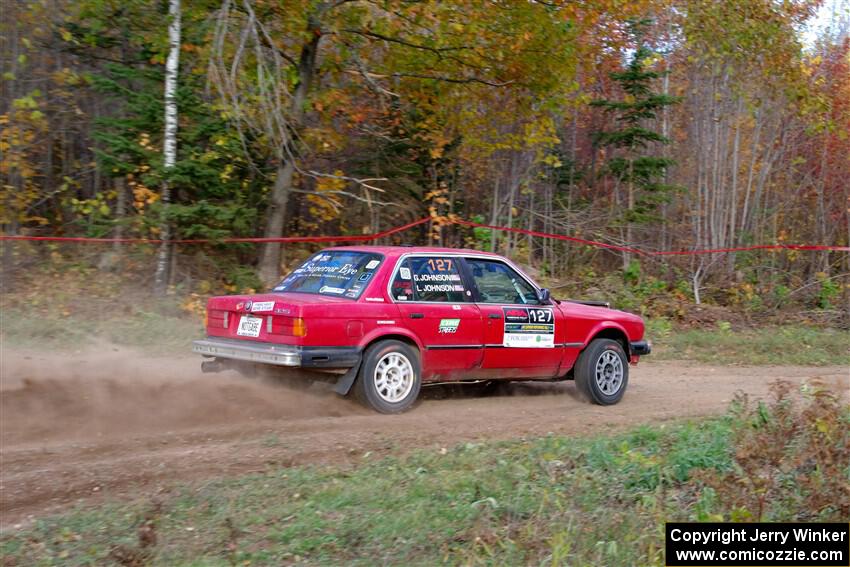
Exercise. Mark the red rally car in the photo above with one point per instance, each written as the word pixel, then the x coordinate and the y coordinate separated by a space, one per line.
pixel 383 320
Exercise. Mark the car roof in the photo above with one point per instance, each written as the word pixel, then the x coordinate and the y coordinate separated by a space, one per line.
pixel 400 250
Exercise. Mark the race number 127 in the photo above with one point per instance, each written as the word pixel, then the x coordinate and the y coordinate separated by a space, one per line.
pixel 540 315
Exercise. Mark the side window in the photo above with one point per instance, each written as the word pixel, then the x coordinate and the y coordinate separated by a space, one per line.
pixel 498 283
pixel 431 278
pixel 402 288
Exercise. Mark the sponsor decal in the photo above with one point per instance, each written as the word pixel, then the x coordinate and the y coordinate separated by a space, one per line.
pixel 282 310
pixel 404 273
pixel 351 293
pixel 456 307
pixel 512 314
pixel 373 264
pixel 240 305
pixel 529 327
pixel 262 306
pixel 248 305
pixel 375 299
pixel 386 322
pixel 355 289
pixel 330 289
pixel 448 326
pixel 348 270
pixel 364 277
pixel 335 272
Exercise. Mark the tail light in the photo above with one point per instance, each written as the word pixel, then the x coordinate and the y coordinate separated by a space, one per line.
pixel 216 318
pixel 287 326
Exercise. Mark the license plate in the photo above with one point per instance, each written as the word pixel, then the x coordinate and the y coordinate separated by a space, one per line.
pixel 249 326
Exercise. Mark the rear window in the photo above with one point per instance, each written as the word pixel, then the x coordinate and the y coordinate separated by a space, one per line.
pixel 339 273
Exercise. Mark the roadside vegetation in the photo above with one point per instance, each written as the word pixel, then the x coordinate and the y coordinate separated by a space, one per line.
pixel 90 307
pixel 555 500
pixel 160 332
pixel 792 344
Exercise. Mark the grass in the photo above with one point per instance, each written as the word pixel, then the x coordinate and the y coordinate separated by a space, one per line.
pixel 552 500
pixel 156 332
pixel 168 334
pixel 779 345
pixel 597 501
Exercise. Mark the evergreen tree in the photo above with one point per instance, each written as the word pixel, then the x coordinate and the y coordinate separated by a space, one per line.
pixel 635 164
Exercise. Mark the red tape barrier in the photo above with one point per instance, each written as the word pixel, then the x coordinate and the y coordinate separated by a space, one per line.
pixel 549 235
pixel 350 238
pixel 402 228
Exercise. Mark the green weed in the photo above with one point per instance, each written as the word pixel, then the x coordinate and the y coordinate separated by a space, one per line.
pixel 797 345
pixel 554 500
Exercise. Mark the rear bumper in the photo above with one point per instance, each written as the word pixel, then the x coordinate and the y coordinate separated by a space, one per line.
pixel 278 355
pixel 640 348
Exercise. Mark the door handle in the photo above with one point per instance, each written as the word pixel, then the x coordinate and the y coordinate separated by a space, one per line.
pixel 494 316
pixel 417 315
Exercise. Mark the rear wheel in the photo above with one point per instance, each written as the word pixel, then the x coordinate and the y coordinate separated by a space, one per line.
pixel 389 379
pixel 602 372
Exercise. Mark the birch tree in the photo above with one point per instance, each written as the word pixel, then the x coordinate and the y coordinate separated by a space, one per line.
pixel 169 145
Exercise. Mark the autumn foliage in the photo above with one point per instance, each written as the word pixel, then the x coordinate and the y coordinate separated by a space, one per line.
pixel 300 118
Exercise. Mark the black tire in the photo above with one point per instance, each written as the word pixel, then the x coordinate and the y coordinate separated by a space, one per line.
pixel 598 376
pixel 394 387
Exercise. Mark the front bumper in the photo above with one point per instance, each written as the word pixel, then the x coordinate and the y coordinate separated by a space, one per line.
pixel 640 348
pixel 278 355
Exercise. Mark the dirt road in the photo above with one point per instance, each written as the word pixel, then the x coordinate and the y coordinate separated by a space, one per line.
pixel 112 424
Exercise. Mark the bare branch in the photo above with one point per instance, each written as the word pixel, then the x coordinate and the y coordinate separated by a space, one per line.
pixel 406 43
pixel 337 206
pixel 457 80
pixel 370 81
pixel 361 182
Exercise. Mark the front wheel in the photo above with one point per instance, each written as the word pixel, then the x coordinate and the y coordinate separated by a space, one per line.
pixel 389 379
pixel 602 372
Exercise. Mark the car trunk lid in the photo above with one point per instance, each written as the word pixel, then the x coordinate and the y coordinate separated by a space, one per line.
pixel 270 317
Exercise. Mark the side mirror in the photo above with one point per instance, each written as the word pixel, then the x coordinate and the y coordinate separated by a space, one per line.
pixel 543 295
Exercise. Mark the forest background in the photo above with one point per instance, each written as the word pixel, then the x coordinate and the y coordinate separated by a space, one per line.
pixel 653 124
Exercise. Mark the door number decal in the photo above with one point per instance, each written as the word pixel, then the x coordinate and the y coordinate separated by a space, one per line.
pixel 529 327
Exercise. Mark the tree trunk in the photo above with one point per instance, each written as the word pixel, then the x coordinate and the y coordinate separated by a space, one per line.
pixel 269 267
pixel 821 207
pixel 494 215
pixel 276 216
pixel 630 205
pixel 120 211
pixel 169 144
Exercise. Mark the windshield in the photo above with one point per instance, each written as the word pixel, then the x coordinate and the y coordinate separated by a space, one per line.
pixel 340 273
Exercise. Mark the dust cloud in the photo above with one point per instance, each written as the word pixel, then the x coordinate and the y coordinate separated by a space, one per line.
pixel 108 391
